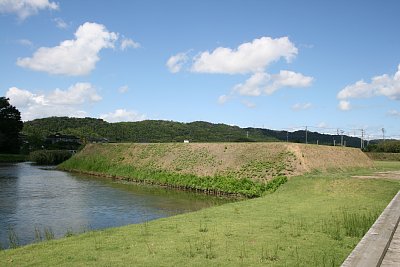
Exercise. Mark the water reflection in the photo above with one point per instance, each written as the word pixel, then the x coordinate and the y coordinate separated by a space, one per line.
pixel 32 197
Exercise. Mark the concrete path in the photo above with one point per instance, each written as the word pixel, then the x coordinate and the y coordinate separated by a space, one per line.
pixel 392 256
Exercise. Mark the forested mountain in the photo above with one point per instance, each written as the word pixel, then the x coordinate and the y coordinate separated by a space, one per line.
pixel 150 131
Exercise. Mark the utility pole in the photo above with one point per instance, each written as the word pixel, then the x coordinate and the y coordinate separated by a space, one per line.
pixel 383 134
pixel 287 136
pixel 306 136
pixel 341 137
pixel 362 138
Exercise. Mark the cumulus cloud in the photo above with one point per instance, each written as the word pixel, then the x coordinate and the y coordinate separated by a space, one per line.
pixel 301 106
pixel 123 115
pixel 251 58
pixel 344 105
pixel 26 8
pixel 383 85
pixel 176 62
pixel 264 83
pixel 57 103
pixel 253 86
pixel 287 78
pixel 246 58
pixel 72 57
pixel 129 43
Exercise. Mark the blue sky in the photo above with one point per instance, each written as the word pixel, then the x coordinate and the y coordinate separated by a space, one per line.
pixel 327 65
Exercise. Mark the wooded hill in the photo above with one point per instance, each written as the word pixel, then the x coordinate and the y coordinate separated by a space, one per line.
pixel 158 131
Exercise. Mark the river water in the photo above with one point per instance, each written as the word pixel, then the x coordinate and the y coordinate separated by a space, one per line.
pixel 52 201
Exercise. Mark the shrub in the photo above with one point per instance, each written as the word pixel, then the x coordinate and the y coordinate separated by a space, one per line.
pixel 49 157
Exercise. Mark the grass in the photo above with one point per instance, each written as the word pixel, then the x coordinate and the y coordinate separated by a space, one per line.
pixel 218 184
pixel 219 168
pixel 49 157
pixel 384 156
pixel 312 220
pixel 11 158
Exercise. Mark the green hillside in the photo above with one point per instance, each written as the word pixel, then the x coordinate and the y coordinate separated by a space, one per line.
pixel 158 131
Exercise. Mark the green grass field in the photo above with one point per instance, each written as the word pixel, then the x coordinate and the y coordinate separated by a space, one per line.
pixel 312 220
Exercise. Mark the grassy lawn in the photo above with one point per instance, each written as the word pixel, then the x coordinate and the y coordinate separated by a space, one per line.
pixel 312 220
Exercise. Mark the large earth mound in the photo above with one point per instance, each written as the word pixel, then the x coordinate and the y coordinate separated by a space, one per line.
pixel 257 161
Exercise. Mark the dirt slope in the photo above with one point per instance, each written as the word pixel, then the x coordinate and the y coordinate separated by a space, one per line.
pixel 258 161
pixel 314 157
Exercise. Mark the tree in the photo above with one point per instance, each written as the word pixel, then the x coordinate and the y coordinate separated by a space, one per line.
pixel 10 126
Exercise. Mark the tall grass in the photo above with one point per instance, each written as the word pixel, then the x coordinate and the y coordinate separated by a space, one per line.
pixel 357 224
pixel 13 239
pixel 49 157
pixel 349 223
pixel 218 185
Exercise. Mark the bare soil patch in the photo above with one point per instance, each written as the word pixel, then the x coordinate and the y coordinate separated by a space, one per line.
pixel 392 175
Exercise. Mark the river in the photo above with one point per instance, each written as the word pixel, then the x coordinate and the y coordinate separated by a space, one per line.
pixel 57 202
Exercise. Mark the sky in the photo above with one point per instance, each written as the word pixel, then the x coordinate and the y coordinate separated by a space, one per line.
pixel 329 65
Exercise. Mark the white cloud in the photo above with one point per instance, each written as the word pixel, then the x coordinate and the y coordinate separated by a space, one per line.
pixel 254 85
pixel 72 57
pixel 344 105
pixel 123 89
pixel 287 78
pixel 264 83
pixel 383 85
pixel 129 43
pixel 75 95
pixel 246 58
pixel 248 104
pixel 301 106
pixel 176 62
pixel 60 23
pixel 57 103
pixel 26 8
pixel 123 115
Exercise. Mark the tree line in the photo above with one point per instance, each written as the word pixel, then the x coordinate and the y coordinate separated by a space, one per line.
pixel 31 135
pixel 160 131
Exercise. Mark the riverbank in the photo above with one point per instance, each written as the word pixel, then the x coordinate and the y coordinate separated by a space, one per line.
pixel 12 158
pixel 248 169
pixel 312 220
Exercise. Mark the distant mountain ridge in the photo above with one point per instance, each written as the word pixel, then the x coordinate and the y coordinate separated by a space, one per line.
pixel 160 131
